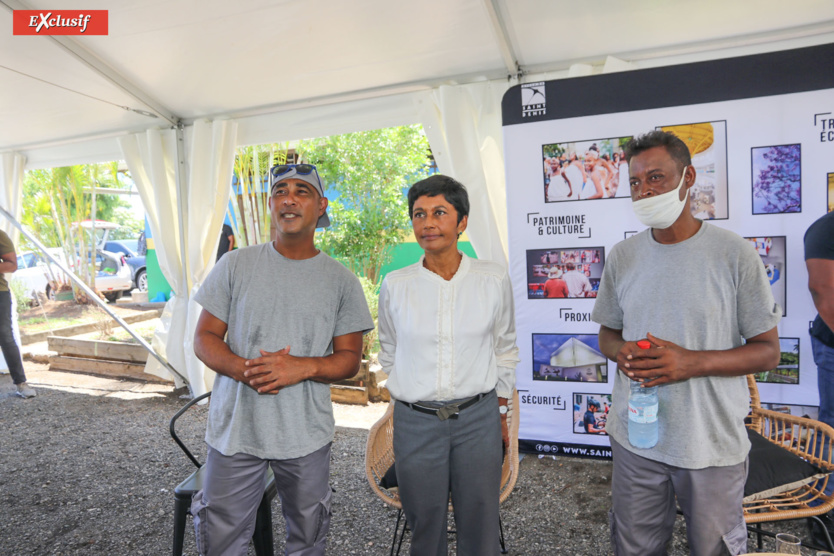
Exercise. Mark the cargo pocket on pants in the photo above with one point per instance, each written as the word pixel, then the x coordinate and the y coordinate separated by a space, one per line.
pixel 736 540
pixel 612 525
pixel 199 509
pixel 324 517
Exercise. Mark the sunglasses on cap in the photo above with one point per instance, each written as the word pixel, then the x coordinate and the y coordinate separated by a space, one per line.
pixel 301 169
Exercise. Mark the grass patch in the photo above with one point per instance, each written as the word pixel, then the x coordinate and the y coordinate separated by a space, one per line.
pixel 40 324
pixel 144 329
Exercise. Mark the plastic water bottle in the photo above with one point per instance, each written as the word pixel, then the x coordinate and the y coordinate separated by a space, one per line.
pixel 642 411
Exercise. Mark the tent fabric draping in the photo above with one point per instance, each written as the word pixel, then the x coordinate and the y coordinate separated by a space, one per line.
pixel 461 122
pixel 11 189
pixel 463 125
pixel 330 119
pixel 152 158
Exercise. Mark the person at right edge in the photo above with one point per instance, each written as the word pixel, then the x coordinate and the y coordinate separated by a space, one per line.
pixel 694 291
pixel 819 260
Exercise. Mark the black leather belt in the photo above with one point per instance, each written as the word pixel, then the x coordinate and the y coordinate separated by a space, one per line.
pixel 449 411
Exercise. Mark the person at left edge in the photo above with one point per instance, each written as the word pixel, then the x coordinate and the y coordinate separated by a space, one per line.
pixel 11 351
pixel 295 320
pixel 448 343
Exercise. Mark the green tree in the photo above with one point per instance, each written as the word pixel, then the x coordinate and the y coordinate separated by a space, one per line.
pixel 54 199
pixel 249 193
pixel 368 171
pixel 40 196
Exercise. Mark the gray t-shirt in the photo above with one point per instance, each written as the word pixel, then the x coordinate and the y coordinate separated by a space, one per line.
pixel 704 293
pixel 270 302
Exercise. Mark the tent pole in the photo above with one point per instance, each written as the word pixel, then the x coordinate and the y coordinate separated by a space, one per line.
pixel 92 295
pixel 181 212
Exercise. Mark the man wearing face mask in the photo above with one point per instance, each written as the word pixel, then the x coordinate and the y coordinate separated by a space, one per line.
pixel 694 291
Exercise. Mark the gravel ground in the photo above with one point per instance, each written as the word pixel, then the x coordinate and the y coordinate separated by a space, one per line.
pixel 88 467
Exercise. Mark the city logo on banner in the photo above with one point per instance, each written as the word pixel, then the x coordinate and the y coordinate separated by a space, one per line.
pixel 60 22
pixel 533 100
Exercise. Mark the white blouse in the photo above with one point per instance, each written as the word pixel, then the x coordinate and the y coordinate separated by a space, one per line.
pixel 445 340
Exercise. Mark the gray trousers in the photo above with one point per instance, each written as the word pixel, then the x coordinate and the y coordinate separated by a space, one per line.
pixel 11 353
pixel 225 509
pixel 461 456
pixel 643 510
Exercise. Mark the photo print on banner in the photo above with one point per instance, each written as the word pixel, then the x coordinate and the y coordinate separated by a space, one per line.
pixel 572 272
pixel 568 358
pixel 787 372
pixel 777 179
pixel 590 413
pixel 772 252
pixel 830 192
pixel 707 143
pixel 585 170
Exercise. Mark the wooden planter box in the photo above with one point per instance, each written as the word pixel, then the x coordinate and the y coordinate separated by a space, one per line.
pixel 77 329
pixel 101 358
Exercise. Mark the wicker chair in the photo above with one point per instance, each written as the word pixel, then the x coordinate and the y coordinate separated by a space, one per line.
pixel 379 457
pixel 809 439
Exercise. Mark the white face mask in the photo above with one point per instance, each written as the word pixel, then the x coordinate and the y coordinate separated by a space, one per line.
pixel 661 211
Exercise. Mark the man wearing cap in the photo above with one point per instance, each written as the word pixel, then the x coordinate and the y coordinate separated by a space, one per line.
pixel 280 321
pixel 694 291
pixel 555 286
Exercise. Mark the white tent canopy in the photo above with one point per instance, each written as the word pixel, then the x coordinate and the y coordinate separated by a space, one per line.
pixel 256 71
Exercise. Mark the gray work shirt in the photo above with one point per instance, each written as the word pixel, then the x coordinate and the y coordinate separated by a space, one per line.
pixel 270 302
pixel 704 293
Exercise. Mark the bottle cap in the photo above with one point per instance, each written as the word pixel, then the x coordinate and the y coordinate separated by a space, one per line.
pixel 644 344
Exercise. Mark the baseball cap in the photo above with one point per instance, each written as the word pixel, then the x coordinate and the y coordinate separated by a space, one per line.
pixel 303 172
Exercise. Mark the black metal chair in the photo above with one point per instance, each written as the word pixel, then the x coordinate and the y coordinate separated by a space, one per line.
pixel 261 538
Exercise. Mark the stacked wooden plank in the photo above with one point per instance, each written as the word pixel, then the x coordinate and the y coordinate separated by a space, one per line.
pixel 84 328
pixel 127 361
pixel 101 358
pixel 352 390
pixel 367 385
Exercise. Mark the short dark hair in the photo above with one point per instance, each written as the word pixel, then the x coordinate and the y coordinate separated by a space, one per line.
pixel 676 148
pixel 452 190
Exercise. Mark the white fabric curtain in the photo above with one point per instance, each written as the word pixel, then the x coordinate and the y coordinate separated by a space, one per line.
pixel 463 125
pixel 152 159
pixel 11 190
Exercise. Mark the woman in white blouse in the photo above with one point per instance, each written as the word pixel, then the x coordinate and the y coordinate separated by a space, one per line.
pixel 447 333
